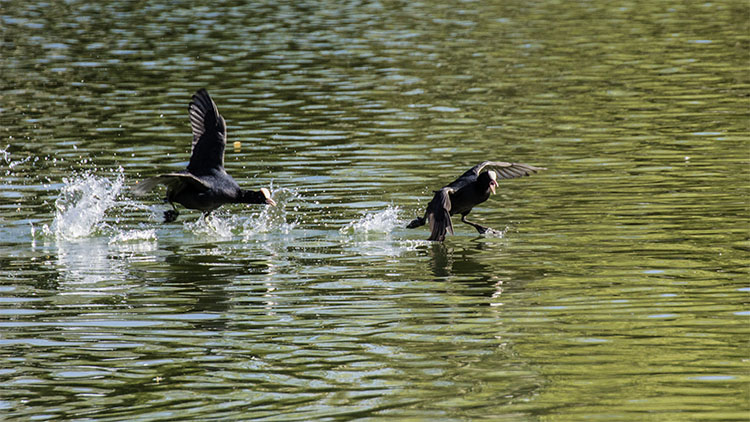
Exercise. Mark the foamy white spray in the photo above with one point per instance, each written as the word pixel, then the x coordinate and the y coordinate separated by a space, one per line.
pixel 379 222
pixel 371 234
pixel 249 221
pixel 273 218
pixel 82 204
pixel 5 158
pixel 137 240
pixel 216 225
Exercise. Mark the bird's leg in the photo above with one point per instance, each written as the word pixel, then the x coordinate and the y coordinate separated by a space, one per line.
pixel 171 215
pixel 481 229
pixel 417 222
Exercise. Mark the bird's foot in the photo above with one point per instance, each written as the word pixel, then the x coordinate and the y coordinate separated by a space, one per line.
pixel 170 216
pixel 417 222
pixel 487 231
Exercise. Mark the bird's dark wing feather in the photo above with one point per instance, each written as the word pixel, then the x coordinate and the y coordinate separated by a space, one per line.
pixel 438 214
pixel 504 170
pixel 170 180
pixel 209 134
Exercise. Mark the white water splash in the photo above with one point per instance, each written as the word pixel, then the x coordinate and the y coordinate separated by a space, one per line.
pixel 82 204
pixel 215 226
pixel 499 234
pixel 389 248
pixel 135 241
pixel 5 158
pixel 370 235
pixel 4 154
pixel 143 240
pixel 249 221
pixel 133 236
pixel 273 218
pixel 379 222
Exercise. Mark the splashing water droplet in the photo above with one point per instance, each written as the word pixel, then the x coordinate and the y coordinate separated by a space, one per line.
pixel 380 222
pixel 214 225
pixel 134 240
pixel 370 235
pixel 82 203
pixel 272 218
pixel 222 224
pixel 133 236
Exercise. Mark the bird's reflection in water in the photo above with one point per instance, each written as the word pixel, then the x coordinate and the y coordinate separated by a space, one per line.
pixel 203 279
pixel 441 263
pixel 465 267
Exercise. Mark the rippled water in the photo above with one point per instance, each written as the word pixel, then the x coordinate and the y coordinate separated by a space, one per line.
pixel 618 289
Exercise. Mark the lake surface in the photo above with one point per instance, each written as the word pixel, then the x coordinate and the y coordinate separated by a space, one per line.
pixel 618 289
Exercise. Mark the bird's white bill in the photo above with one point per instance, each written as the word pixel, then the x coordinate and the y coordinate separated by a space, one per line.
pixel 267 194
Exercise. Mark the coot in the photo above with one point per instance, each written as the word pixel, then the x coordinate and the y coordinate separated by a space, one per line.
pixel 469 190
pixel 204 185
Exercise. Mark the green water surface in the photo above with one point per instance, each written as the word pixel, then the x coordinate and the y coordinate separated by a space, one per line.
pixel 619 290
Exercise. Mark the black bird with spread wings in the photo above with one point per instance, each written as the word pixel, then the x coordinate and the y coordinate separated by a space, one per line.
pixel 204 185
pixel 469 190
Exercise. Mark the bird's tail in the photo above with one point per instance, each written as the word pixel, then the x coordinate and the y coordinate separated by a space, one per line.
pixel 417 222
pixel 438 214
pixel 144 186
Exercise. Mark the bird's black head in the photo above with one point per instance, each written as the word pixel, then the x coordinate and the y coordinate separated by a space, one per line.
pixel 487 181
pixel 263 196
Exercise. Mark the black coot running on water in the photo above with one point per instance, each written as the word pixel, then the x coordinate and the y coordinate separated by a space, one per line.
pixel 469 190
pixel 204 185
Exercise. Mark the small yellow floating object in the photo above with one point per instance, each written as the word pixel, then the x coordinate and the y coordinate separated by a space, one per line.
pixel 237 146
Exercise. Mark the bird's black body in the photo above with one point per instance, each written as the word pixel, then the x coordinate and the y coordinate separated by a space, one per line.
pixel 463 194
pixel 204 185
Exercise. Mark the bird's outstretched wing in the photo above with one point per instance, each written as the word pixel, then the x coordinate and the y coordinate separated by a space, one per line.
pixel 209 134
pixel 170 180
pixel 504 170
pixel 438 214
